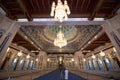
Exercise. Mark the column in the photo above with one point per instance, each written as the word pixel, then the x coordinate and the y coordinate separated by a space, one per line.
pixel 43 59
pixel 76 61
pixel 12 58
pixel 112 28
pixel 8 29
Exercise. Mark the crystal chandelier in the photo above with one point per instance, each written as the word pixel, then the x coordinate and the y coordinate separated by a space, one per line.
pixel 60 11
pixel 60 41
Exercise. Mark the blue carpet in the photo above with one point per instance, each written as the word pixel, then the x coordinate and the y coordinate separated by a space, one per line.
pixel 56 75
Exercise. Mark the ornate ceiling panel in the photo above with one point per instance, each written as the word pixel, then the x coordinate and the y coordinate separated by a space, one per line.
pixel 77 36
pixel 69 31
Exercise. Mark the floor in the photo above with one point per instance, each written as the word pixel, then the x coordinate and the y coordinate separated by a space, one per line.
pixel 56 75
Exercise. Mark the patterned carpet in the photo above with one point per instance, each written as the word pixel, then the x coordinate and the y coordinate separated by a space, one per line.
pixel 57 75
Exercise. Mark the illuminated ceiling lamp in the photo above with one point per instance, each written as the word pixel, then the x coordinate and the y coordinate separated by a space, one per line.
pixel 60 11
pixel 102 53
pixel 72 60
pixel 28 56
pixel 20 53
pixel 60 41
pixel 93 56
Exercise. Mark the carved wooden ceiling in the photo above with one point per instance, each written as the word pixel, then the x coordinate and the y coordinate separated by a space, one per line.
pixel 20 40
pixel 99 41
pixel 41 8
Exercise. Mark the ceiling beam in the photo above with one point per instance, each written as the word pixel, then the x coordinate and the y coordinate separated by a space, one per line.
pixel 96 44
pixel 88 3
pixel 32 5
pixel 52 22
pixel 96 9
pixel 77 4
pixel 99 41
pixel 43 4
pixel 21 41
pixel 92 40
pixel 24 9
pixel 37 3
pixel 113 12
pixel 81 8
pixel 49 5
pixel 8 13
pixel 28 40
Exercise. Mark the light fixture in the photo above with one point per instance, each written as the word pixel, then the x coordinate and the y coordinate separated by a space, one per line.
pixel 60 59
pixel 48 59
pixel 8 49
pixel 72 60
pixel 102 53
pixel 37 59
pixel 28 56
pixel 60 41
pixel 114 49
pixel 84 59
pixel 60 11
pixel 93 56
pixel 19 53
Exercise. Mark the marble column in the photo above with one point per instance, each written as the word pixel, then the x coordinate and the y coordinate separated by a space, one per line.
pixel 43 59
pixel 8 29
pixel 112 28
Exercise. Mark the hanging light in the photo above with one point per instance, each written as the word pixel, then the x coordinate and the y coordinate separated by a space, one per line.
pixel 102 53
pixel 19 53
pixel 28 56
pixel 60 41
pixel 60 11
pixel 93 56
pixel 60 58
pixel 84 59
pixel 8 49
pixel 37 59
pixel 114 49
pixel 72 60
pixel 48 59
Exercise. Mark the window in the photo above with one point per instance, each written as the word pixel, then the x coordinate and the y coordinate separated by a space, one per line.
pixel 94 64
pixel 31 64
pixel 14 63
pixel 88 65
pixel 27 64
pixel 22 64
pixel 100 64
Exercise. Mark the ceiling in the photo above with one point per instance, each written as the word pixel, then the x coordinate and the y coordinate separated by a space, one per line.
pixel 70 32
pixel 43 36
pixel 22 41
pixel 98 41
pixel 41 8
pixel 76 35
pixel 33 37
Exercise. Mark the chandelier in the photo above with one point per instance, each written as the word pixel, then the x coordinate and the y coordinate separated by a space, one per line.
pixel 60 11
pixel 60 41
